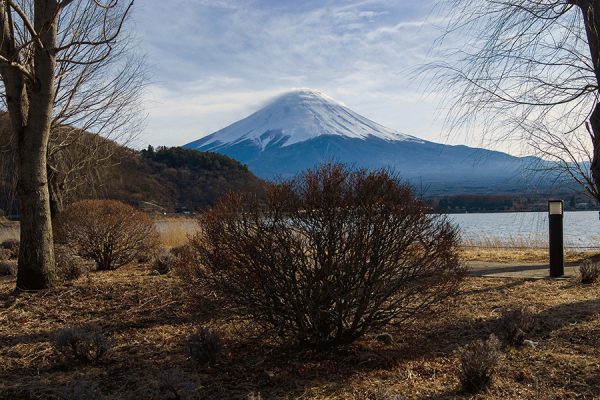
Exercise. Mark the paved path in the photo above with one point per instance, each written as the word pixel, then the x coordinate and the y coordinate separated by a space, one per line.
pixel 517 270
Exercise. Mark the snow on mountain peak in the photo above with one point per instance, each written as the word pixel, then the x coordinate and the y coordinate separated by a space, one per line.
pixel 298 116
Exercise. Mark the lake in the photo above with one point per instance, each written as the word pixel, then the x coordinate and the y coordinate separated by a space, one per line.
pixel 523 229
pixel 527 229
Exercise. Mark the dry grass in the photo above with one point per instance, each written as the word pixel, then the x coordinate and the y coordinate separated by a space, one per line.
pixel 532 249
pixel 174 231
pixel 8 229
pixel 150 319
pixel 518 254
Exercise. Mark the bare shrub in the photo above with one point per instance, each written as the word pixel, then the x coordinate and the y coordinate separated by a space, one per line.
pixel 515 325
pixel 589 272
pixel 164 262
pixel 329 256
pixel 205 347
pixel 109 232
pixel 8 268
pixel 12 246
pixel 186 264
pixel 84 343
pixel 478 363
pixel 68 265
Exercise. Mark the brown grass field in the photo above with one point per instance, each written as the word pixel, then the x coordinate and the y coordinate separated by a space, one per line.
pixel 150 318
pixel 501 254
pixel 174 231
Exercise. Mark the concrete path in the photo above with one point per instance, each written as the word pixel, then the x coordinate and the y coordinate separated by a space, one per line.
pixel 517 270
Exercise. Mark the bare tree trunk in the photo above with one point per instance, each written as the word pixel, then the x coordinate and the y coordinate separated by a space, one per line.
pixel 595 137
pixel 56 189
pixel 36 252
pixel 29 49
pixel 591 18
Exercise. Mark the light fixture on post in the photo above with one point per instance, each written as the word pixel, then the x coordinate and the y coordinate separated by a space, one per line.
pixel 555 242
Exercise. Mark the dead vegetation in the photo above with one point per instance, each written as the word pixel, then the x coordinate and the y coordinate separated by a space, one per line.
pixel 506 254
pixel 328 256
pixel 478 364
pixel 150 319
pixel 589 272
pixel 109 232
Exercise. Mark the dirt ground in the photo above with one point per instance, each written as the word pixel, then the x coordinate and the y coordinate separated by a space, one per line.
pixel 150 318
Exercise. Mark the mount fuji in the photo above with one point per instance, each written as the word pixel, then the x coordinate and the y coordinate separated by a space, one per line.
pixel 302 128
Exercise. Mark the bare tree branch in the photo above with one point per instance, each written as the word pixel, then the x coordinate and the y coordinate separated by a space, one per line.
pixel 528 70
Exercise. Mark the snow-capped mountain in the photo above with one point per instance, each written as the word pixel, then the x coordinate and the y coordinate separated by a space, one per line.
pixel 296 117
pixel 302 128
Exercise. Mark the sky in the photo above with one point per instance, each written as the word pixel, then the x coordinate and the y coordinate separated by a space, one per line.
pixel 213 62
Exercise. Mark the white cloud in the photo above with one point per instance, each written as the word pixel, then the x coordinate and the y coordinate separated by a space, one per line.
pixel 215 62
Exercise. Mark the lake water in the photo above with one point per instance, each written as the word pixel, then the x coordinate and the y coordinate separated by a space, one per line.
pixel 523 229
pixel 581 228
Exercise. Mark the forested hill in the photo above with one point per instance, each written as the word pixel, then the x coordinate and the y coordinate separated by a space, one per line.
pixel 174 179
pixel 181 179
pixel 161 180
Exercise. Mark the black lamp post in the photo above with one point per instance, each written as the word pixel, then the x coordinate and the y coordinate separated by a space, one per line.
pixel 557 257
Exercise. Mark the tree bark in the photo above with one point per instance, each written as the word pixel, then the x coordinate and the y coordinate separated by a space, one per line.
pixel 591 18
pixel 36 252
pixel 595 136
pixel 56 189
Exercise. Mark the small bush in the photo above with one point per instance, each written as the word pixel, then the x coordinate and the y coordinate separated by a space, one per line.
pixel 186 263
pixel 12 246
pixel 589 272
pixel 85 343
pixel 68 265
pixel 515 325
pixel 205 347
pixel 478 362
pixel 329 256
pixel 8 268
pixel 109 232
pixel 164 262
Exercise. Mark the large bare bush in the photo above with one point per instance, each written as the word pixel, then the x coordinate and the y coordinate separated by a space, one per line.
pixel 109 232
pixel 329 255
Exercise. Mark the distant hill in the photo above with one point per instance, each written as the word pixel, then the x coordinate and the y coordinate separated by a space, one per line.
pixel 165 179
pixel 178 179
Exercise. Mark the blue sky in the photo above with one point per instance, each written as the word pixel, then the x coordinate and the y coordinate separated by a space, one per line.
pixel 213 62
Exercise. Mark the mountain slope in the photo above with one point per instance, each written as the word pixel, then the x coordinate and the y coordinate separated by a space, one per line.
pixel 296 117
pixel 304 127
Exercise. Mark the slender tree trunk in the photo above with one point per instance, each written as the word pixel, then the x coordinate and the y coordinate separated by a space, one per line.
pixel 591 18
pixel 595 135
pixel 56 195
